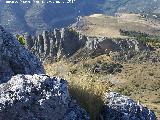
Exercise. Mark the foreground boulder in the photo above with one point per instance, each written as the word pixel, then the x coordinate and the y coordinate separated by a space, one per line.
pixel 119 107
pixel 38 97
pixel 15 59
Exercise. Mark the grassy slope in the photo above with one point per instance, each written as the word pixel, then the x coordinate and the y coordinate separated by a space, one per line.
pixel 139 81
pixel 84 86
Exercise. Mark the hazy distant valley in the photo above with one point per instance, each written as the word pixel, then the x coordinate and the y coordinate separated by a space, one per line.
pixel 105 56
pixel 32 18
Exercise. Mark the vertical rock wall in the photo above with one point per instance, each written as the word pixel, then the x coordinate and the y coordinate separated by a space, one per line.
pixel 57 44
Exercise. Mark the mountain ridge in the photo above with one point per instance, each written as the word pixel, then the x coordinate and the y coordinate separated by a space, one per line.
pixel 33 18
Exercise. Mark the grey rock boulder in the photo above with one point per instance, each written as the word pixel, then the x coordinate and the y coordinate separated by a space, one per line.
pixel 38 97
pixel 119 107
pixel 15 58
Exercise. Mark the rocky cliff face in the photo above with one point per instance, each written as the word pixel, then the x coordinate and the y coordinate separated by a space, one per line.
pixel 57 44
pixel 119 107
pixel 104 45
pixel 64 43
pixel 15 59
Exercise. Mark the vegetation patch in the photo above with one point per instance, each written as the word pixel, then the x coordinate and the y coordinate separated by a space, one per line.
pixel 106 68
pixel 143 37
pixel 21 39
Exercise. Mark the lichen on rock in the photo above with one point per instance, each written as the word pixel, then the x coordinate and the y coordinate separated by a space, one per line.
pixel 120 107
pixel 38 97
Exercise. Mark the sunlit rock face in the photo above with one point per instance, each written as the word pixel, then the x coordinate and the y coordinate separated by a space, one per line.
pixel 65 42
pixel 104 45
pixel 38 97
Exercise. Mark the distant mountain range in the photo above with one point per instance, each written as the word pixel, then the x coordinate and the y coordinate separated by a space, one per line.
pixel 33 17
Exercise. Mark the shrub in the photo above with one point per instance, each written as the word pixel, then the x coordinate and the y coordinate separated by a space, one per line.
pixel 21 39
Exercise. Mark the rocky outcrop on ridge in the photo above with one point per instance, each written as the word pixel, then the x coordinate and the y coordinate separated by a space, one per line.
pixel 65 42
pixel 38 97
pixel 119 107
pixel 57 44
pixel 15 59
pixel 104 45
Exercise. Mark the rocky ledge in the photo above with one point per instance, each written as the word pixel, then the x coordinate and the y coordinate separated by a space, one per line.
pixel 120 107
pixel 27 94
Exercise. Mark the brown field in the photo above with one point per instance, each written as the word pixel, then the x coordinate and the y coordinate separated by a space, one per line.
pixel 109 26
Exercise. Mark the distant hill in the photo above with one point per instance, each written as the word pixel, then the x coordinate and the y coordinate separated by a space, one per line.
pixel 32 18
pixel 135 6
pixel 110 26
pixel 37 17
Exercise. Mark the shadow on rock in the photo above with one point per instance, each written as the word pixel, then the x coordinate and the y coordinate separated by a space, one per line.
pixel 15 58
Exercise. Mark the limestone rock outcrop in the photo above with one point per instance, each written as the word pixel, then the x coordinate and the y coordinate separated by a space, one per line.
pixel 65 42
pixel 119 107
pixel 38 97
pixel 57 44
pixel 16 59
pixel 106 45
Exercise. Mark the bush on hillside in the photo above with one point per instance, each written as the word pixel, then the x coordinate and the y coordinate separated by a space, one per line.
pixel 21 39
pixel 143 37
